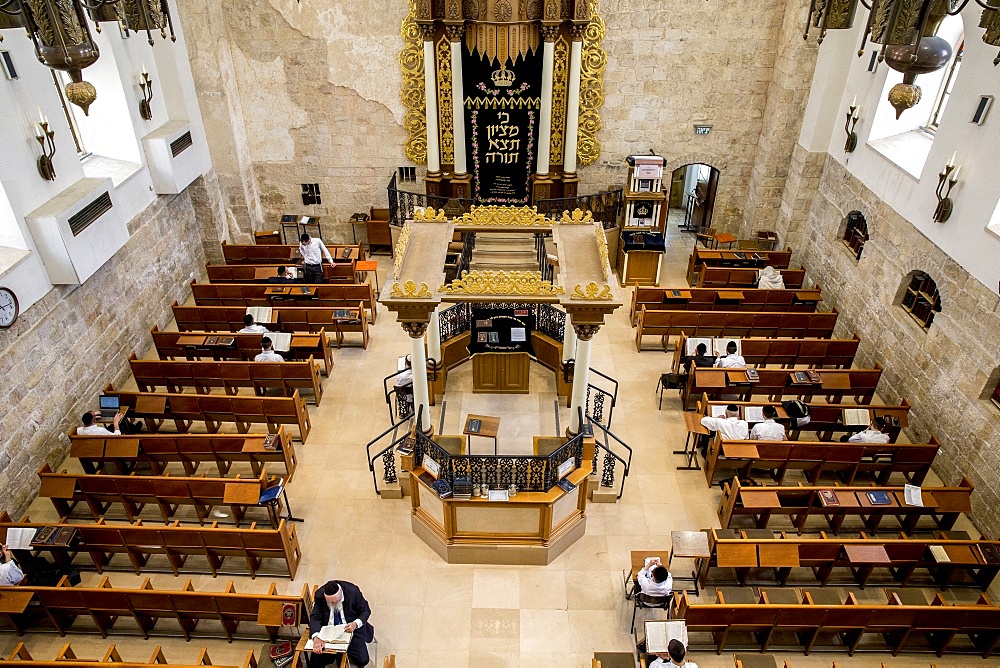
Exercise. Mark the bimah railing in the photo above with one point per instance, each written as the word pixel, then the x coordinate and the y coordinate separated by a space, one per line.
pixel 457 319
pixel 606 441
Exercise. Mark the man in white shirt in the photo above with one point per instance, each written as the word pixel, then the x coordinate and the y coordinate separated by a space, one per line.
pixel 731 360
pixel 654 579
pixel 250 327
pixel 267 353
pixel 10 572
pixel 674 656
pixel 730 427
pixel 873 434
pixel 768 430
pixel 335 603
pixel 313 252
pixel 92 428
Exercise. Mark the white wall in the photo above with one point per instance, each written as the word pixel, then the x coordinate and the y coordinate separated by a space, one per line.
pixel 965 236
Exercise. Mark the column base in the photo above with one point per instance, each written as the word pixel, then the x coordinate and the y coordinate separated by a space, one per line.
pixel 461 186
pixel 541 187
pixel 571 184
pixel 432 184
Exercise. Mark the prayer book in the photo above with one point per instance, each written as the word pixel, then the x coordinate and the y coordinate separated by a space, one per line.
pixel 801 377
pixel 691 346
pixel 226 340
pixel 271 442
pixel 335 637
pixel 752 375
pixel 659 634
pixel 271 493
pixel 719 346
pixel 281 341
pixel 566 485
pixel 442 488
pixel 854 416
pixel 475 426
pixel 718 410
pixel 814 376
pixel 828 498
pixel 753 413
pixel 912 495
pixel 989 552
pixel 939 554
pixel 260 313
pixel 20 539
pixel 879 498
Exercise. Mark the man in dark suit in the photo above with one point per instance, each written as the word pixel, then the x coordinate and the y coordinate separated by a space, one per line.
pixel 341 602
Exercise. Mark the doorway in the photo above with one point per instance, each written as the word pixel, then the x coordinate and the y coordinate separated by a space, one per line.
pixel 692 196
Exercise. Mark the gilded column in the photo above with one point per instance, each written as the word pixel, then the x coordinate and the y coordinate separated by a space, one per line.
pixel 581 374
pixel 430 97
pixel 573 108
pixel 418 361
pixel 455 33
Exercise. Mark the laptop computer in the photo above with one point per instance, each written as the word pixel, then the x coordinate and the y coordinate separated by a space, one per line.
pixel 109 407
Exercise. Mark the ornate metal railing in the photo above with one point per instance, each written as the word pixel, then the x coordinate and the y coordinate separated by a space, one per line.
pixel 601 399
pixel 605 441
pixel 457 319
pixel 387 454
pixel 543 257
pixel 605 206
pixel 402 202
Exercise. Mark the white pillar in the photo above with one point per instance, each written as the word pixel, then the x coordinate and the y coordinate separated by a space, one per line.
pixel 569 342
pixel 573 105
pixel 581 375
pixel 545 121
pixel 418 360
pixel 434 337
pixel 458 106
pixel 430 97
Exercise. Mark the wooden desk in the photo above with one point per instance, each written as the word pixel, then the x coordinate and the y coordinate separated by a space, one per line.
pixel 363 267
pixel 681 295
pixel 13 602
pixel 734 555
pixel 488 428
pixel 838 381
pixel 149 403
pixel 730 295
pixel 732 450
pixel 689 545
pixel 778 556
pixel 264 273
pixel 808 296
pixel 242 493
pixel 724 238
pixel 763 500
pixel 745 660
pixel 864 559
pixel 638 558
pixel 190 340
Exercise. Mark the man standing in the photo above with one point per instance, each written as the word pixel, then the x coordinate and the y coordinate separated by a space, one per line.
pixel 341 602
pixel 313 252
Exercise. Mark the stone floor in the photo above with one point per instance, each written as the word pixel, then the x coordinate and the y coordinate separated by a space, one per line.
pixel 429 613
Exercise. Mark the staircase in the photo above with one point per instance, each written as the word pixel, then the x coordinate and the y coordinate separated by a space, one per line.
pixel 504 251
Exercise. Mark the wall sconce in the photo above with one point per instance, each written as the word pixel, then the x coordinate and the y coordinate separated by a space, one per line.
pixel 946 181
pixel 852 120
pixel 44 134
pixel 147 96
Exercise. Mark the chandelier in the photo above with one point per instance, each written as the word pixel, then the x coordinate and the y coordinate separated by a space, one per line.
pixel 907 31
pixel 61 33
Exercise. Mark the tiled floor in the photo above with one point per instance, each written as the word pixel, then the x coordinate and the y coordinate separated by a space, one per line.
pixel 429 613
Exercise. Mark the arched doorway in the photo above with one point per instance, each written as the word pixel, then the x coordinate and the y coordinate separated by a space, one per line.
pixel 692 196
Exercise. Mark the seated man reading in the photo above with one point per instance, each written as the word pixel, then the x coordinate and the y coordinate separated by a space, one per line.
pixel 341 602
pixel 674 656
pixel 732 360
pixel 654 579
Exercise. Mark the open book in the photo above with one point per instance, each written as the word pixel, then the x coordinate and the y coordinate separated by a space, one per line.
pixel 659 634
pixel 281 341
pixel 334 637
pixel 20 538
pixel 691 346
pixel 260 313
pixel 753 413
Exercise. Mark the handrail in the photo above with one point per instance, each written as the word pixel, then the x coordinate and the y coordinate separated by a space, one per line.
pixel 388 457
pixel 605 206
pixel 402 202
pixel 431 376
pixel 599 398
pixel 607 475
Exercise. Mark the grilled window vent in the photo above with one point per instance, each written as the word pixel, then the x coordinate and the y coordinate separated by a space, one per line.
pixel 81 220
pixel 181 144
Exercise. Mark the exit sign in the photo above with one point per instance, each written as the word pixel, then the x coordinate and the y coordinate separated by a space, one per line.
pixel 702 129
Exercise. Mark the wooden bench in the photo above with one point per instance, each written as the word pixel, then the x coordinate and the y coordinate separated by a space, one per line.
pixel 193 345
pixel 775 560
pixel 101 492
pixel 203 376
pixel 255 294
pixel 282 253
pixel 158 451
pixel 57 608
pixel 735 277
pixel 286 318
pixel 176 543
pixel 214 410
pixel 812 353
pixel 338 272
pixel 842 627
pixel 813 458
pixel 858 384
pixel 722 299
pixel 67 658
pixel 942 504
pixel 754 259
pixel 736 324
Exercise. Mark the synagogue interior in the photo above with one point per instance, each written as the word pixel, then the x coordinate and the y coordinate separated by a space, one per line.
pixel 499 333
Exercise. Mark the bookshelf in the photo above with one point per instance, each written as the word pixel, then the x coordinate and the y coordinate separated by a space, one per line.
pixel 922 300
pixel 856 233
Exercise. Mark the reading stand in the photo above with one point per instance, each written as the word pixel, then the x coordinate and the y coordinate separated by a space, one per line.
pixel 482 425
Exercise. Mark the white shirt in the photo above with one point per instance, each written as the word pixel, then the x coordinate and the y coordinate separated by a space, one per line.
pixel 10 574
pixel 768 430
pixel 650 587
pixel 314 252
pixel 96 430
pixel 869 436
pixel 268 356
pixel 731 428
pixel 733 361
pixel 668 662
pixel 254 329
pixel 404 378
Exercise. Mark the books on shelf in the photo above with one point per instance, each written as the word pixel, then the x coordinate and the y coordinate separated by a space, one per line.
pixel 752 375
pixel 442 488
pixel 879 498
pixel 462 487
pixel 827 497
pixel 271 442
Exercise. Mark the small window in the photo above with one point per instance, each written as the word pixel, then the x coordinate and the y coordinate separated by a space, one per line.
pixel 856 233
pixel 921 299
pixel 944 93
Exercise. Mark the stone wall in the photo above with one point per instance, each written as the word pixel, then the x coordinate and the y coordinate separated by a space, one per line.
pixel 67 347
pixel 942 372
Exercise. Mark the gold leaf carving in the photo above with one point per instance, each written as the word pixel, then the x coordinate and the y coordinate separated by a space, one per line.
pixel 430 213
pixel 70 21
pixel 401 244
pixel 578 217
pixel 508 283
pixel 602 250
pixel 409 290
pixel 43 21
pixel 504 216
pixel 595 59
pixel 560 81
pixel 411 62
pixel 446 127
pixel 591 291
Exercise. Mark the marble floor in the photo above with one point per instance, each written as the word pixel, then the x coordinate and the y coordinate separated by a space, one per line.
pixel 429 613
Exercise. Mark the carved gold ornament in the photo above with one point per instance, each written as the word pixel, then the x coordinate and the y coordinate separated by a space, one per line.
pixel 578 217
pixel 82 94
pixel 429 214
pixel 560 81
pixel 595 59
pixel 591 291
pixel 411 62
pixel 409 290
pixel 602 250
pixel 512 283
pixel 446 126
pixel 401 244
pixel 504 216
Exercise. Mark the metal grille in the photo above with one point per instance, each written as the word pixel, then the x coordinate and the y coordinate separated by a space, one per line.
pixel 181 144
pixel 605 206
pixel 84 218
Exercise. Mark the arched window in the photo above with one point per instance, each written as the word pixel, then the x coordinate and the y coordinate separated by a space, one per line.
pixel 855 233
pixel 921 299
pixel 944 93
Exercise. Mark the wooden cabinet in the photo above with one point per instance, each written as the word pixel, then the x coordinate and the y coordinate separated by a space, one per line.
pixel 377 227
pixel 501 373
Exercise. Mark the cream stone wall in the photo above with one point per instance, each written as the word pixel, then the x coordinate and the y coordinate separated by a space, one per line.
pixel 64 349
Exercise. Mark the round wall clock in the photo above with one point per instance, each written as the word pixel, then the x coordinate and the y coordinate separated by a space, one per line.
pixel 8 308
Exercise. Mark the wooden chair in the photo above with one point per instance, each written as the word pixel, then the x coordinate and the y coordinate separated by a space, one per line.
pixel 379 232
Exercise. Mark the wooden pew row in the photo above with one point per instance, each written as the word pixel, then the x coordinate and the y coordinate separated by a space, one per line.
pixel 857 384
pixel 101 542
pixel 813 458
pixel 734 277
pixel 774 560
pixel 813 626
pixel 67 658
pixel 35 609
pixel 828 421
pixel 157 451
pixel 813 353
pixel 283 318
pixel 739 324
pixel 282 253
pixel 721 299
pixel 754 259
pixel 101 492
pixel 214 410
pixel 195 345
pixel 203 376
pixel 942 504
pixel 255 294
pixel 338 272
